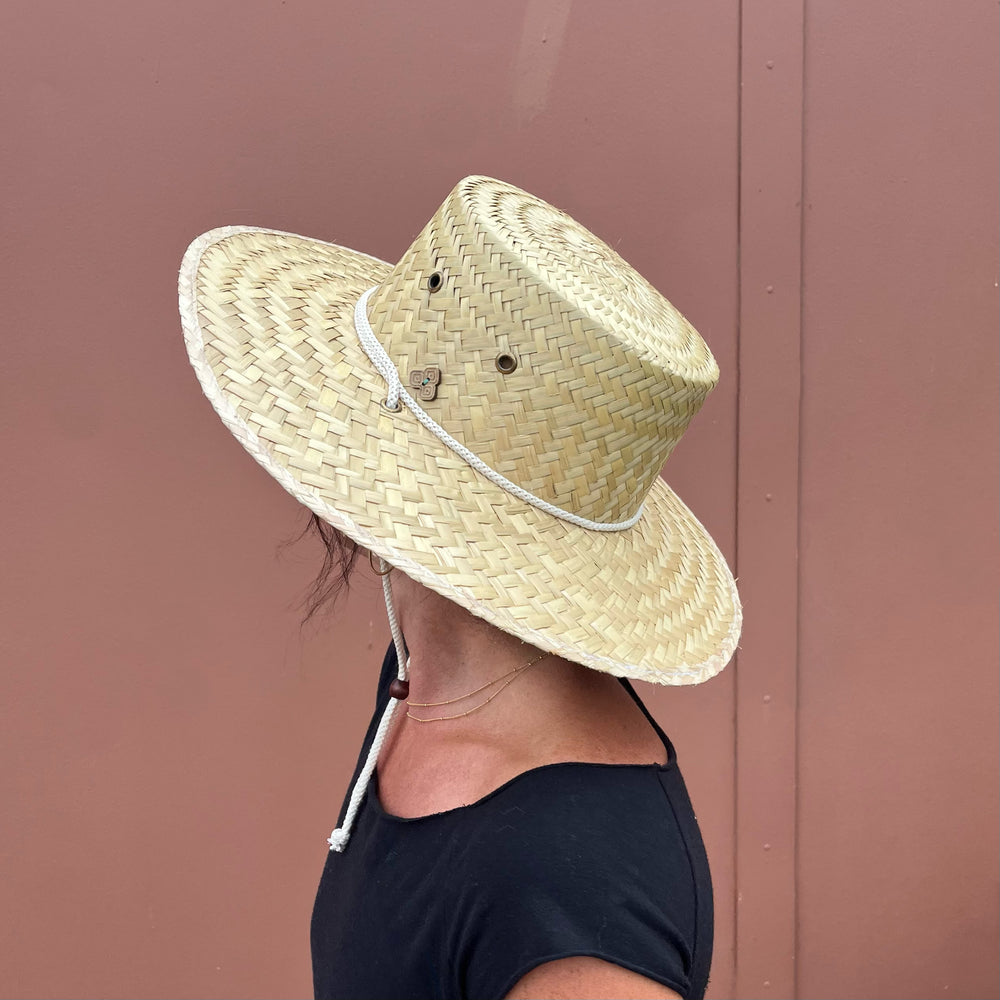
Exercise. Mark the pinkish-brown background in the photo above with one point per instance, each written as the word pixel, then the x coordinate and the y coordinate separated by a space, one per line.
pixel 814 185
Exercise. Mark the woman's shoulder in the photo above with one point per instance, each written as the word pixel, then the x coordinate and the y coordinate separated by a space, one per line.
pixel 598 859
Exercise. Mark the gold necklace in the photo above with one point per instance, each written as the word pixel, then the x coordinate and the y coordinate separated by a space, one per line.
pixel 507 678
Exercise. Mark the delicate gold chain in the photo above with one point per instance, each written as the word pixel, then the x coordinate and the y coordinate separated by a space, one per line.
pixel 462 697
pixel 507 678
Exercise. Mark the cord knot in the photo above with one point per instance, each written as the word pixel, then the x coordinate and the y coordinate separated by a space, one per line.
pixel 338 840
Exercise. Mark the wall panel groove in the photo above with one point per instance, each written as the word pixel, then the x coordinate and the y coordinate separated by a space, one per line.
pixel 767 495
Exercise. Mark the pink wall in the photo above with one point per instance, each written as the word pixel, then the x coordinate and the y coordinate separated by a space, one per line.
pixel 898 683
pixel 174 746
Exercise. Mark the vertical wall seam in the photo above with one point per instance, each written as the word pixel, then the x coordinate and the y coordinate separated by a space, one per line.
pixel 736 479
pixel 798 498
pixel 769 296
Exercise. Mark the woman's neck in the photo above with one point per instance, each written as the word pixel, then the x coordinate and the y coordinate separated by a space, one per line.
pixel 553 711
pixel 452 652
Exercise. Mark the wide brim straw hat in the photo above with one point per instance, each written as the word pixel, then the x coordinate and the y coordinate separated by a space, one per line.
pixel 490 416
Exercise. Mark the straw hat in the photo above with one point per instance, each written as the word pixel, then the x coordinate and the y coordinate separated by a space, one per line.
pixel 490 418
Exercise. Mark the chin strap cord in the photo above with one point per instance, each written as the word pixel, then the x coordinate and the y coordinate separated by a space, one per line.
pixel 339 838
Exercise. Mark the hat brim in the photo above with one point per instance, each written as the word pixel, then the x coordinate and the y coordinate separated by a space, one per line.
pixel 268 323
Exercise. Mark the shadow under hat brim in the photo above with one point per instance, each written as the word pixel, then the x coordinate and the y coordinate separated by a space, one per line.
pixel 268 323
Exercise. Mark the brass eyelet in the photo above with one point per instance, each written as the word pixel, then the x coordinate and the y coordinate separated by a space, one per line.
pixel 391 409
pixel 506 363
pixel 435 281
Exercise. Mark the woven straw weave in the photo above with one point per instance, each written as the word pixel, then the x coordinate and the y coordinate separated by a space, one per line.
pixel 608 375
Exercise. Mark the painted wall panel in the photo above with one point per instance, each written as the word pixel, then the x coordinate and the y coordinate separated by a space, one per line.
pixel 898 683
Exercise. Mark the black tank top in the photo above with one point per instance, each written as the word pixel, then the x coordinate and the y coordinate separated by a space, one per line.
pixel 568 859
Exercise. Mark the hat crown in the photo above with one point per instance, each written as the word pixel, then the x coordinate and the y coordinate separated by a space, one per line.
pixel 608 374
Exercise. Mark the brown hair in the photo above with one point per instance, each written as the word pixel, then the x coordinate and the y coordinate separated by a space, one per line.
pixel 334 577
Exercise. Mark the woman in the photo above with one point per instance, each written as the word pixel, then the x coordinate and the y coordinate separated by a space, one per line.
pixel 488 419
